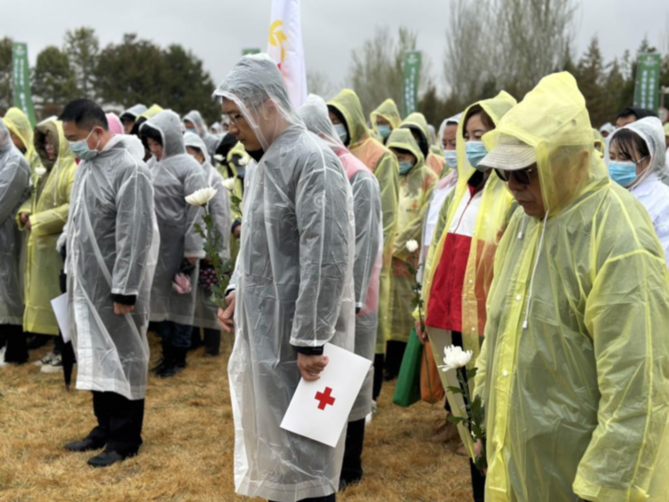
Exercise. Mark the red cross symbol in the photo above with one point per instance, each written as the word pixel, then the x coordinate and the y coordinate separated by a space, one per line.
pixel 325 398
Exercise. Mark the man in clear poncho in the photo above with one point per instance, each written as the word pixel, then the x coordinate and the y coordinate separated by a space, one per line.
pixel 193 122
pixel 130 116
pixel 573 369
pixel 366 274
pixel 21 132
pixel 175 175
pixel 349 122
pixel 14 189
pixel 293 286
pixel 219 209
pixel 112 247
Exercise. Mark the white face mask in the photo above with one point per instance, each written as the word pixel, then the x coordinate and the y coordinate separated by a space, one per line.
pixel 341 132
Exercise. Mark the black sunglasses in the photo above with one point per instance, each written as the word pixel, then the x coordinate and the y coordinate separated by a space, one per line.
pixel 523 176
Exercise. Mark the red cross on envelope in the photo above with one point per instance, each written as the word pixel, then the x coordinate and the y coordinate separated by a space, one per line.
pixel 325 398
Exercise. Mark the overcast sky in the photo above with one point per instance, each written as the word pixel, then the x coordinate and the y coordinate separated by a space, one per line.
pixel 218 30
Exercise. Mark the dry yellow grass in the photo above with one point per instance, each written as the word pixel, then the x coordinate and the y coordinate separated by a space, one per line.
pixel 188 441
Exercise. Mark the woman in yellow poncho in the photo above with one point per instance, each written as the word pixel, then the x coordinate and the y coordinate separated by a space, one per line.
pixel 22 135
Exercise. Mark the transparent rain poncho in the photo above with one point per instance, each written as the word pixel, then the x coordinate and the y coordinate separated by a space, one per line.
pixel 384 165
pixel 14 189
pixel 174 177
pixel 650 187
pixel 112 248
pixel 48 207
pixel 17 122
pixel 294 287
pixel 573 369
pixel 134 112
pixel 368 243
pixel 415 192
pixel 219 207
pixel 209 139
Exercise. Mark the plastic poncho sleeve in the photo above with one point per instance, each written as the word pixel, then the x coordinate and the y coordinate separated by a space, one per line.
pixel 12 187
pixel 193 245
pixel 413 229
pixel 53 220
pixel 365 193
pixel 387 172
pixel 619 460
pixel 134 233
pixel 322 222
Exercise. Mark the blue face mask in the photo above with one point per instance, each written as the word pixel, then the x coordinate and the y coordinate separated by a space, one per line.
pixel 341 132
pixel 405 166
pixel 623 173
pixel 191 130
pixel 384 130
pixel 81 150
pixel 475 153
pixel 451 158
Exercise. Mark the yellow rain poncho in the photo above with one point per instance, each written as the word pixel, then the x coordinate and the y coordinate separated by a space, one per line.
pixel 386 169
pixel 387 111
pixel 573 370
pixel 417 122
pixel 415 192
pixel 18 124
pixel 48 209
pixel 600 142
pixel 491 220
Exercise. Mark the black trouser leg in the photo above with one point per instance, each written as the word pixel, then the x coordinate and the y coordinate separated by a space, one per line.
pixel 122 421
pixel 351 470
pixel 100 432
pixel 478 483
pixel 378 376
pixel 212 341
pixel 195 338
pixel 394 355
pixel 17 346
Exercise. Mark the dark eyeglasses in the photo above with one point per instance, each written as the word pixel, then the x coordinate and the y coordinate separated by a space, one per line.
pixel 524 176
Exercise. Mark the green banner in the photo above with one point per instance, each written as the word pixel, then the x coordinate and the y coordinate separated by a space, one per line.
pixel 647 87
pixel 21 82
pixel 412 60
pixel 250 52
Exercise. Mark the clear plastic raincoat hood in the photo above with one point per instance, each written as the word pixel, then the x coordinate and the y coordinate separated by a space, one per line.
pixel 573 369
pixel 294 287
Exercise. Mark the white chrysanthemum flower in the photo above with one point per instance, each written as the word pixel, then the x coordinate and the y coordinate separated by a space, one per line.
pixel 40 171
pixel 228 184
pixel 243 161
pixel 201 197
pixel 456 358
pixel 412 246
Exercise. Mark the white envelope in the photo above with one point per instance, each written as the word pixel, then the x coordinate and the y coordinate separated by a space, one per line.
pixel 319 410
pixel 59 306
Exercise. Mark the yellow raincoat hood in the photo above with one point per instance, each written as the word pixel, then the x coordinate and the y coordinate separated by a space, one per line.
pixel 388 111
pixel 348 104
pixel 402 139
pixel 54 127
pixel 17 123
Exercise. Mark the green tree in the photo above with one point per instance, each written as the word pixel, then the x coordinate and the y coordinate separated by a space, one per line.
pixel 188 86
pixel 83 47
pixel 131 72
pixel 6 97
pixel 590 74
pixel 52 78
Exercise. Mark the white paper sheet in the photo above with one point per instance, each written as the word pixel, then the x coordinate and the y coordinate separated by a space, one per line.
pixel 59 306
pixel 319 410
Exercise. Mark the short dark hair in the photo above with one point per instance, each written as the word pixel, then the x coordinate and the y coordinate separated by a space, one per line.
pixel 638 113
pixel 627 141
pixel 85 113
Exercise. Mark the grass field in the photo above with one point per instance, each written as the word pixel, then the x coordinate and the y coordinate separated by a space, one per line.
pixel 188 439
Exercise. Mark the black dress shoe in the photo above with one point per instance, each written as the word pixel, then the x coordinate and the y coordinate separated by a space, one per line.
pixel 85 445
pixel 107 458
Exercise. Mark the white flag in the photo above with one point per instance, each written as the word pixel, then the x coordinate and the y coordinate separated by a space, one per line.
pixel 285 47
